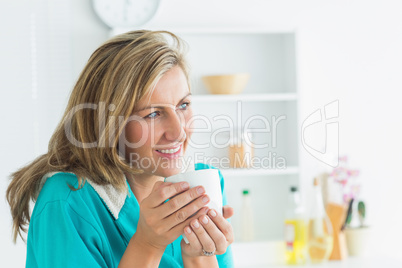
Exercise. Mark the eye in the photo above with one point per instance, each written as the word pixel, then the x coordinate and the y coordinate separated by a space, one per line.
pixel 184 105
pixel 153 115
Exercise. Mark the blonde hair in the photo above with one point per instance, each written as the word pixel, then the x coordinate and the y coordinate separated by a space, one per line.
pixel 118 74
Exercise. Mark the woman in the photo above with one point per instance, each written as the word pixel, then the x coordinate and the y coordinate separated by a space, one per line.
pixel 98 203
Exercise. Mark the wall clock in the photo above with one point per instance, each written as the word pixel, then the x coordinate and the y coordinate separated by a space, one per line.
pixel 125 13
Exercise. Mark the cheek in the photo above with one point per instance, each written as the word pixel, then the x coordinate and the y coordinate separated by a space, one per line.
pixel 188 127
pixel 189 122
pixel 134 132
pixel 143 135
pixel 138 136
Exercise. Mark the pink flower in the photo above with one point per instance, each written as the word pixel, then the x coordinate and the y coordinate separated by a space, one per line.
pixel 345 177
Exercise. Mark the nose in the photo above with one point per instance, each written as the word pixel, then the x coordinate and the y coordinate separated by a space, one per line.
pixel 175 127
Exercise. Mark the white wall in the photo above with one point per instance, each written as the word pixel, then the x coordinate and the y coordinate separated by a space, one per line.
pixel 351 53
pixel 66 33
pixel 347 51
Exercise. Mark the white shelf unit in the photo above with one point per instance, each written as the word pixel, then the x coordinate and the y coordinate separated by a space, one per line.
pixel 269 57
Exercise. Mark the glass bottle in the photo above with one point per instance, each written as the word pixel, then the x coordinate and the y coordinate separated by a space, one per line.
pixel 247 223
pixel 320 239
pixel 295 229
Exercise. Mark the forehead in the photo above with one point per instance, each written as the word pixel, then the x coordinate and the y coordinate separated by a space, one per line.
pixel 169 90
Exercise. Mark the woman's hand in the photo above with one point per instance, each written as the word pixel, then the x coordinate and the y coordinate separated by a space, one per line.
pixel 211 233
pixel 161 222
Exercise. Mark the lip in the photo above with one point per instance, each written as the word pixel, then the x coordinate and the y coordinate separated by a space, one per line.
pixel 171 156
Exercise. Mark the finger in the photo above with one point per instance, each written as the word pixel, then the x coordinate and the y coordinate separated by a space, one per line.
pixel 178 229
pixel 180 201
pixel 217 236
pixel 227 212
pixel 185 212
pixel 165 190
pixel 192 239
pixel 224 226
pixel 206 241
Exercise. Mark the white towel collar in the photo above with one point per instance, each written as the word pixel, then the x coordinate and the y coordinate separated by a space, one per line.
pixel 112 197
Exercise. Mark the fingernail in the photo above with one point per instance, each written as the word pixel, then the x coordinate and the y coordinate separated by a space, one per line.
pixel 200 190
pixel 196 224
pixel 212 213
pixel 205 199
pixel 205 220
pixel 184 185
pixel 188 230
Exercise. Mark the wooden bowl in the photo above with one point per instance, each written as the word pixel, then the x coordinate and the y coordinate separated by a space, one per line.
pixel 226 84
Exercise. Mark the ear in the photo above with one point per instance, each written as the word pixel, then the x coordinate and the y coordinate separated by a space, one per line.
pixel 227 212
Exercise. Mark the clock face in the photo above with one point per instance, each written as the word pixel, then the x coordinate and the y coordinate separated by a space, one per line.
pixel 125 13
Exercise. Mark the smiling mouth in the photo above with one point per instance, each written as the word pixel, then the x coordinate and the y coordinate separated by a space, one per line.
pixel 170 151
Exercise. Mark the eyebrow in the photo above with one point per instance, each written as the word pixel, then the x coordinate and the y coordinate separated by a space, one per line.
pixel 161 107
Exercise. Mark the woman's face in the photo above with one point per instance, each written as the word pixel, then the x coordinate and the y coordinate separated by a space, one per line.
pixel 157 135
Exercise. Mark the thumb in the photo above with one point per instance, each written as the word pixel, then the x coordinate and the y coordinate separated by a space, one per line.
pixel 228 211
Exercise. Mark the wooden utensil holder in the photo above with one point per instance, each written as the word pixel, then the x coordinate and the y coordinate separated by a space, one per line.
pixel 337 215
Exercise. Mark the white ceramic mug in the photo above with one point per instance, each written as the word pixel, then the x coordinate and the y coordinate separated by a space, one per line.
pixel 209 179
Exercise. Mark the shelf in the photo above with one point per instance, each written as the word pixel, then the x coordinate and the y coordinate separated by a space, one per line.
pixel 293 170
pixel 245 97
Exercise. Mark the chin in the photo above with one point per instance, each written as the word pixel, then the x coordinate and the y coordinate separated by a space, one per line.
pixel 167 172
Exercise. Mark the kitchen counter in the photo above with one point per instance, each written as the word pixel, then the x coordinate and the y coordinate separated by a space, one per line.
pixel 271 254
pixel 351 262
